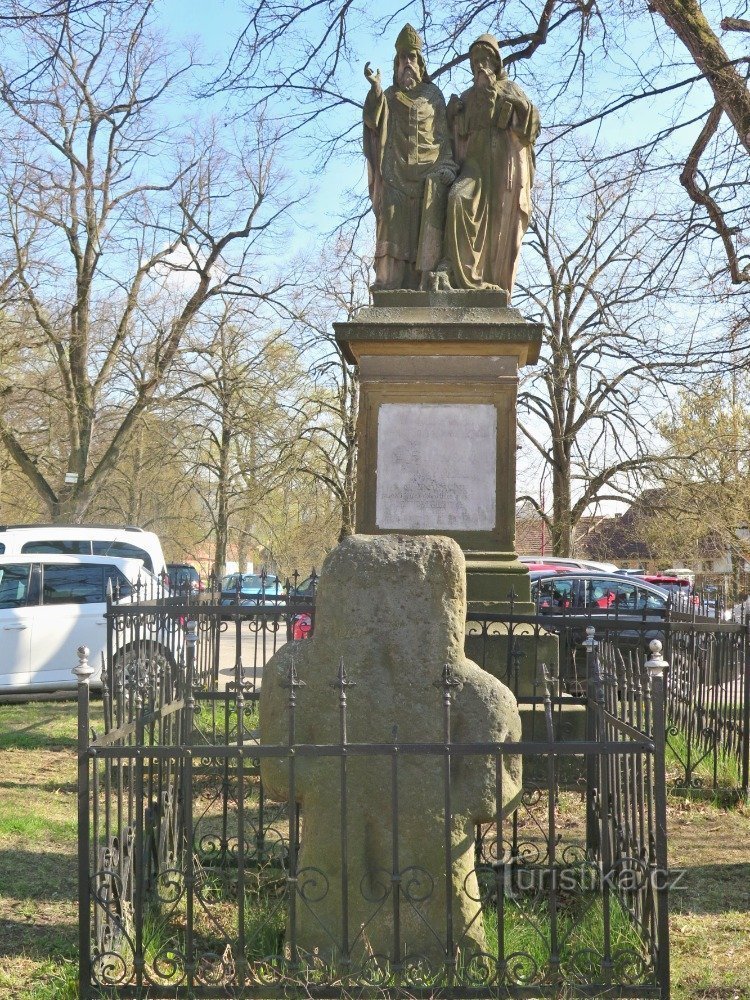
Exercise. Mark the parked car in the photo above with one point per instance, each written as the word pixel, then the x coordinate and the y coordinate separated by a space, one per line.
pixel 83 540
pixel 184 578
pixel 595 594
pixel 52 604
pixel 681 571
pixel 306 588
pixel 678 587
pixel 251 589
pixel 630 609
pixel 681 591
pixel 581 564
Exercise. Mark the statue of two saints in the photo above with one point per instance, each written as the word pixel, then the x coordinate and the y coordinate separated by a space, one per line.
pixel 450 187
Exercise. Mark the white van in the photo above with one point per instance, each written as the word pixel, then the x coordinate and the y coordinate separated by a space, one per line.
pixel 83 540
pixel 683 572
pixel 49 606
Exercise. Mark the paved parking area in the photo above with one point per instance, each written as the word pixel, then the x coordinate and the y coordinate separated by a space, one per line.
pixel 256 649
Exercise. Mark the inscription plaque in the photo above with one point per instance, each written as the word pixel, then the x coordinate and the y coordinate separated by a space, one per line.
pixel 436 467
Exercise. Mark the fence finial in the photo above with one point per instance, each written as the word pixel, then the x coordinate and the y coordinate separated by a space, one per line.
pixel 656 664
pixel 191 632
pixel 83 670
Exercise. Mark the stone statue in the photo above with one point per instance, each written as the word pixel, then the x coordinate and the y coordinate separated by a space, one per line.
pixel 494 127
pixel 392 608
pixel 410 166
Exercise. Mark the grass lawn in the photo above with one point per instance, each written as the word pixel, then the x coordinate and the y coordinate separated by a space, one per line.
pixel 710 923
pixel 38 869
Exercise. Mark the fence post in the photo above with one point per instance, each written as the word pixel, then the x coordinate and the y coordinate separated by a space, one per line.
pixel 83 671
pixel 191 641
pixel 593 697
pixel 656 666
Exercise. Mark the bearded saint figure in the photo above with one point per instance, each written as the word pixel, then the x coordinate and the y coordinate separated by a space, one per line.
pixel 410 166
pixel 494 127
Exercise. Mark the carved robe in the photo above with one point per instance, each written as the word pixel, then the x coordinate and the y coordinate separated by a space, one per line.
pixel 406 139
pixel 490 202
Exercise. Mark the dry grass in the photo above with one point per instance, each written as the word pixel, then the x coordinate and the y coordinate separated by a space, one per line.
pixel 710 922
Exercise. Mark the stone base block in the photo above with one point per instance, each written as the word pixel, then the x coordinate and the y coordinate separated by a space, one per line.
pixel 569 724
pixel 491 577
pixel 517 660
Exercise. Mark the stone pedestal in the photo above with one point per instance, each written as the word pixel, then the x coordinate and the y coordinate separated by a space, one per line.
pixel 437 426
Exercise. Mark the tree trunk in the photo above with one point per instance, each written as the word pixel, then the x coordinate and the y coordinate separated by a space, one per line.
pixel 688 22
pixel 222 505
pixel 134 485
pixel 347 517
pixel 562 526
pixel 348 501
pixel 72 502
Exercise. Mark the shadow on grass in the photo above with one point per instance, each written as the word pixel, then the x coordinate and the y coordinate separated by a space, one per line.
pixel 719 888
pixel 42 725
pixel 39 874
pixel 67 787
pixel 31 741
pixel 36 941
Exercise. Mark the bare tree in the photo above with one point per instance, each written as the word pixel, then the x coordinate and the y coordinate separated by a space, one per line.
pixel 731 96
pixel 327 445
pixel 122 228
pixel 151 486
pixel 237 389
pixel 307 53
pixel 597 280
pixel 14 12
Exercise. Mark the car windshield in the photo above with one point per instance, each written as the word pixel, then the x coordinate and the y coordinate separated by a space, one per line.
pixel 249 581
pixel 182 573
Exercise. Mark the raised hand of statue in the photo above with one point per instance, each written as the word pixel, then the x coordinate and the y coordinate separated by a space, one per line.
pixel 445 175
pixel 374 79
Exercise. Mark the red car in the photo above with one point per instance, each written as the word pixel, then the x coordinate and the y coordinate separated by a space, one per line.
pixel 679 587
pixel 301 626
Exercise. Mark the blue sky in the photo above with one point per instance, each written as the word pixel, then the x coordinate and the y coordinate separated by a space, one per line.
pixel 622 58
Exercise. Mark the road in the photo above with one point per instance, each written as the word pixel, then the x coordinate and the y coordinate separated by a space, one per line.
pixel 256 650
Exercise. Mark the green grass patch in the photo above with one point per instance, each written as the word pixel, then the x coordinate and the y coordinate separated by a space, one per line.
pixel 217 721
pixel 707 772
pixel 580 936
pixel 55 981
pixel 48 725
pixel 34 825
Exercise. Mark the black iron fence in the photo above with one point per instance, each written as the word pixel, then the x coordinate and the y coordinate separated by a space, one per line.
pixel 708 680
pixel 708 690
pixel 194 883
pixel 708 704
